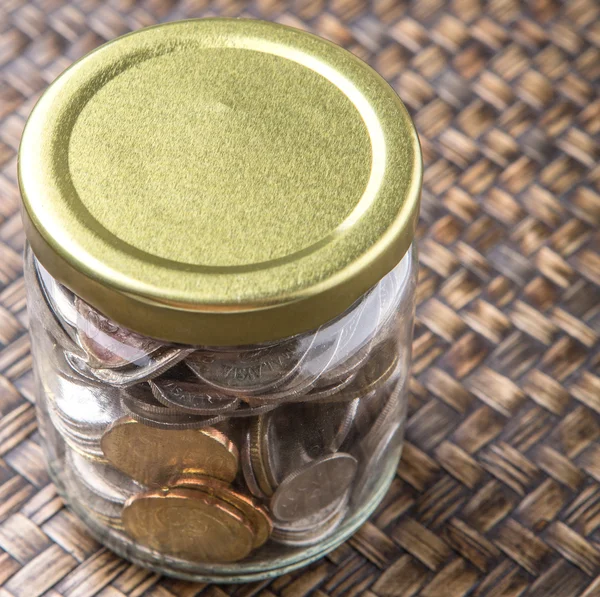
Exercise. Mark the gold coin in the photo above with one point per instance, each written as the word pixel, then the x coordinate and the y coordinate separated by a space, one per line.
pixel 152 456
pixel 189 524
pixel 256 514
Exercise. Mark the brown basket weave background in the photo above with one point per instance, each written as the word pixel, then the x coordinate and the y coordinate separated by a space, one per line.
pixel 498 494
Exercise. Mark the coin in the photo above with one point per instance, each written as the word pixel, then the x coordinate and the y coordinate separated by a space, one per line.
pixel 259 457
pixel 154 365
pixel 81 494
pixel 50 323
pixel 107 344
pixel 392 412
pixel 313 521
pixel 255 514
pixel 248 470
pixel 317 361
pixel 378 369
pixel 331 424
pixel 313 487
pixel 106 521
pixel 251 371
pixel 192 397
pixel 189 524
pixel 275 445
pixel 102 479
pixel 152 456
pixel 139 403
pixel 383 438
pixel 60 299
pixel 88 410
pixel 374 459
pixel 313 529
pixel 319 393
pixel 346 368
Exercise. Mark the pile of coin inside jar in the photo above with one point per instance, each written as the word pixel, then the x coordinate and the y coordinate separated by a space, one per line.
pixel 207 454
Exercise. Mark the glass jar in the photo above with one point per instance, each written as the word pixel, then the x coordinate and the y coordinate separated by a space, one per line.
pixel 220 277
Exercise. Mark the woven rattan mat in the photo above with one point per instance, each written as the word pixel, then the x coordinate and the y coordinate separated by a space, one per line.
pixel 498 493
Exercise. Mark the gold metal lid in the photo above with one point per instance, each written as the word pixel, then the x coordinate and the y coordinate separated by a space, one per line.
pixel 220 181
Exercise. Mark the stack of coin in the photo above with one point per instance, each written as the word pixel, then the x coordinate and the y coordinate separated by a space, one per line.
pixel 100 489
pixel 197 518
pixel 81 413
pixel 206 453
pixel 312 529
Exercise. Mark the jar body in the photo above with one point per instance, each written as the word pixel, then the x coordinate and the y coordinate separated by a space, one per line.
pixel 222 464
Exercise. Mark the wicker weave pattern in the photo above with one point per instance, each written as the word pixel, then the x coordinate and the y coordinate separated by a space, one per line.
pixel 498 494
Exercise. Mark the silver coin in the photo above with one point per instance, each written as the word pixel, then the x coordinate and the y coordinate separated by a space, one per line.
pixel 357 335
pixel 60 299
pixel 89 448
pixel 80 493
pixel 382 366
pixel 279 438
pixel 157 364
pixel 253 371
pixel 332 423
pixel 330 393
pixel 392 413
pixel 346 368
pixel 383 439
pixel 310 535
pixel 108 345
pixel 317 361
pixel 103 479
pixel 140 404
pixel 314 521
pixel 81 406
pixel 192 397
pixel 50 322
pixel 313 487
pixel 248 470
pixel 373 464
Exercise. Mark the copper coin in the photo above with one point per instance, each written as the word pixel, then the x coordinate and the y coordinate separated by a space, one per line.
pixel 250 508
pixel 153 456
pixel 189 524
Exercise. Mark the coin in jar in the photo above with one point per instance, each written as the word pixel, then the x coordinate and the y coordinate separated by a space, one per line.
pixel 255 514
pixel 84 409
pixel 313 529
pixel 276 445
pixel 251 372
pixel 313 487
pixel 155 365
pixel 248 469
pixel 102 479
pixel 193 398
pixel 152 456
pixel 259 452
pixel 139 403
pixel 107 344
pixel 377 370
pixel 331 424
pixel 189 524
pixel 383 439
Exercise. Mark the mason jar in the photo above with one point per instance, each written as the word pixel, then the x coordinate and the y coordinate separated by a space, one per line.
pixel 220 275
